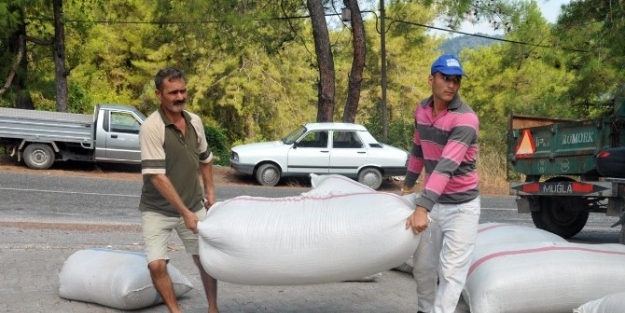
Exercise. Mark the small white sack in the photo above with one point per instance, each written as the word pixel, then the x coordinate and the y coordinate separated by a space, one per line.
pixel 546 277
pixel 614 303
pixel 325 235
pixel 114 278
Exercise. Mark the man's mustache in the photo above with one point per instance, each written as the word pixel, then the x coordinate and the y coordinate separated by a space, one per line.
pixel 180 102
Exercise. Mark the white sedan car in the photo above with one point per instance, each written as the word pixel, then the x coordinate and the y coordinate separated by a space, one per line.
pixel 321 148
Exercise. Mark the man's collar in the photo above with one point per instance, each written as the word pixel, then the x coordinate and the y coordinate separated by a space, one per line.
pixel 454 104
pixel 167 121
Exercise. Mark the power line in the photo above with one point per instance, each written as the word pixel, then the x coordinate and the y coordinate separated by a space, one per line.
pixel 489 37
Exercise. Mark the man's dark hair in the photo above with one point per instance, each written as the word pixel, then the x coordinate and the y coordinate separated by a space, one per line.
pixel 168 73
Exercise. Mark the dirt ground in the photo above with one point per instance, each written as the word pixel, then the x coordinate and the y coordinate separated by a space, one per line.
pixel 222 175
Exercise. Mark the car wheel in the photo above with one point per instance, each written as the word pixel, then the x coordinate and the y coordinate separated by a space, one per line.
pixel 371 177
pixel 38 156
pixel 268 175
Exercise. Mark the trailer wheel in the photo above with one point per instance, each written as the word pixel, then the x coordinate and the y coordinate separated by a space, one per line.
pixel 38 156
pixel 563 216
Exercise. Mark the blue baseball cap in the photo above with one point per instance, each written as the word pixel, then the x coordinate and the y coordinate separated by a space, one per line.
pixel 447 64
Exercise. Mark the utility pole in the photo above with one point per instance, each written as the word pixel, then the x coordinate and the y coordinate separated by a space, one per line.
pixel 383 74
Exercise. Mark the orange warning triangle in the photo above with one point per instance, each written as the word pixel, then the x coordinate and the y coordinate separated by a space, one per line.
pixel 525 148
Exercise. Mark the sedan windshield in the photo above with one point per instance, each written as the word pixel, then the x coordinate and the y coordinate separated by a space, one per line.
pixel 289 139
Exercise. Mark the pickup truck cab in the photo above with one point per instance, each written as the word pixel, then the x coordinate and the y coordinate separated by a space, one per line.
pixel 40 138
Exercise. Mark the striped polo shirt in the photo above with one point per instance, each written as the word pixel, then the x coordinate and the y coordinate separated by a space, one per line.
pixel 446 146
pixel 165 150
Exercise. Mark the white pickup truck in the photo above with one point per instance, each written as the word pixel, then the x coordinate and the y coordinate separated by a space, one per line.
pixel 40 138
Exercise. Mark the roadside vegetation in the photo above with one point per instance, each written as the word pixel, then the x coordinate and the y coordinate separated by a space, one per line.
pixel 253 75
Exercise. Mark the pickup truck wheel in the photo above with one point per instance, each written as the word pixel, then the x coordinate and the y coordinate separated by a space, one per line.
pixel 371 177
pixel 268 175
pixel 38 156
pixel 563 216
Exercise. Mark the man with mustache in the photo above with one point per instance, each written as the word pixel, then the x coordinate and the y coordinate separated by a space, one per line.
pixel 173 152
pixel 448 211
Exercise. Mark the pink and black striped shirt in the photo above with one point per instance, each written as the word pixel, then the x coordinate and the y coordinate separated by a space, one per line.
pixel 447 147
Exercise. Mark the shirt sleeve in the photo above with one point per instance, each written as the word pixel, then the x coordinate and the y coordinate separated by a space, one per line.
pixel 151 139
pixel 415 161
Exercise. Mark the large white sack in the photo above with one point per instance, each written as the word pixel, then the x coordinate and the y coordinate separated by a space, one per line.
pixel 319 237
pixel 114 278
pixel 335 184
pixel 545 277
pixel 500 233
pixel 614 303
pixel 408 265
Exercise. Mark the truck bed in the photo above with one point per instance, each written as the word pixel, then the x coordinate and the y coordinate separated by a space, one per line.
pixel 542 146
pixel 44 126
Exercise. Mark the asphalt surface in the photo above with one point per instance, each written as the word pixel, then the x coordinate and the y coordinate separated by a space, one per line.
pixel 31 257
pixel 45 220
pixel 79 213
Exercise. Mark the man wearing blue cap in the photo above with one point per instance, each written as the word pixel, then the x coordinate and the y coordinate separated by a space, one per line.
pixel 448 210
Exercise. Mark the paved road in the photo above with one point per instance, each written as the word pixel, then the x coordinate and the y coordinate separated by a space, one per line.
pixel 32 254
pixel 27 197
pixel 53 198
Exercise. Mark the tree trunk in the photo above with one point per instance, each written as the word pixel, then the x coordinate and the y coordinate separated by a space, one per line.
pixel 59 57
pixel 358 62
pixel 325 61
pixel 16 82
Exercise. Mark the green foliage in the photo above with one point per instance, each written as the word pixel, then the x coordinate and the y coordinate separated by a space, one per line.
pixel 593 28
pixel 79 100
pixel 399 132
pixel 251 65
pixel 218 144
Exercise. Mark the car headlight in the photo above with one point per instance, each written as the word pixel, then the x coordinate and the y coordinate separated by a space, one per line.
pixel 235 156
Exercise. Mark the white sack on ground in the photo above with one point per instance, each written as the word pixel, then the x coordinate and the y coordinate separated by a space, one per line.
pixel 500 233
pixel 614 303
pixel 114 278
pixel 546 277
pixel 313 238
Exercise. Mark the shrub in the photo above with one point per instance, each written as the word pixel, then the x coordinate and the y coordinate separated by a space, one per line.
pixel 217 142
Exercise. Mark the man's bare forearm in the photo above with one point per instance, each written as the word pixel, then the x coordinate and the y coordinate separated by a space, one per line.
pixel 206 172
